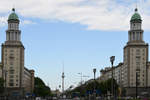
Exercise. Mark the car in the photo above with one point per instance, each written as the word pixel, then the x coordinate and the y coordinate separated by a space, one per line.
pixel 38 98
pixel 76 98
pixel 54 98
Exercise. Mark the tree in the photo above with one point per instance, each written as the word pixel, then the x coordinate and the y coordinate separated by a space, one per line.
pixel 1 85
pixel 103 87
pixel 40 89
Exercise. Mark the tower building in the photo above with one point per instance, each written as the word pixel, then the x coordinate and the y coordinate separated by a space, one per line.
pixel 133 74
pixel 14 72
pixel 135 57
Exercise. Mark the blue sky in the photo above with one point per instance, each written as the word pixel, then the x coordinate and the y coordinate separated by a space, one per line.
pixel 83 34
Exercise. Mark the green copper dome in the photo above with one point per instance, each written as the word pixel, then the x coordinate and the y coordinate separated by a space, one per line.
pixel 13 15
pixel 136 16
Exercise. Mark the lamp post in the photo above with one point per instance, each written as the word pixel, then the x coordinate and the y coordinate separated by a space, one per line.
pixel 81 77
pixel 112 59
pixel 137 82
pixel 5 73
pixel 94 71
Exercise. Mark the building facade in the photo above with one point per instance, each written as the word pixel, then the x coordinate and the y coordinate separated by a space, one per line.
pixel 134 72
pixel 107 73
pixel 135 57
pixel 13 71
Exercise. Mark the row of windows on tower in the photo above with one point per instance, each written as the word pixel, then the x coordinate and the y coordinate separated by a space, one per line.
pixel 136 26
pixel 13 26
pixel 13 36
pixel 136 36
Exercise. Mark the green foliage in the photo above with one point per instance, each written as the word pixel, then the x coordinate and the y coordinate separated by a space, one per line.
pixel 1 85
pixel 104 87
pixel 40 89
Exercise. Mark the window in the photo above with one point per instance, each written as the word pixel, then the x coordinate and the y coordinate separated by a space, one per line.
pixel 137 62
pixel 11 84
pixel 11 76
pixel 137 51
pixel 11 50
pixel 11 71
pixel 133 36
pixel 11 81
pixel 11 63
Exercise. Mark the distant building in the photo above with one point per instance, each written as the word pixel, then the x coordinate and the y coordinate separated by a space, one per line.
pixel 148 74
pixel 28 80
pixel 19 80
pixel 107 73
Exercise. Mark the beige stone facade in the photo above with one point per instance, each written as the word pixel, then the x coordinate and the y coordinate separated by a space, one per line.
pixel 28 80
pixel 117 73
pixel 13 63
pixel 19 80
pixel 148 73
pixel 136 62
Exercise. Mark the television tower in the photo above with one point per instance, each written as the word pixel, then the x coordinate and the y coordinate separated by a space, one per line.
pixel 63 76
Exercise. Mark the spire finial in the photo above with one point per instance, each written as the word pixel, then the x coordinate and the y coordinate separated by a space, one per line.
pixel 13 9
pixel 136 9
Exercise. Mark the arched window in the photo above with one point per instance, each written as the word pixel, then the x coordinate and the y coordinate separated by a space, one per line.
pixel 133 36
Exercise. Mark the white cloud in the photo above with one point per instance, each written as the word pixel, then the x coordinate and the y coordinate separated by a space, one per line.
pixel 24 22
pixel 95 14
pixel 3 21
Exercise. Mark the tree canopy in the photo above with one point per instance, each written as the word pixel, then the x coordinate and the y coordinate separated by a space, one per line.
pixel 40 89
pixel 101 88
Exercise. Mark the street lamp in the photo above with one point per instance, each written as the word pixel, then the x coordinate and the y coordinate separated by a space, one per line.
pixel 5 73
pixel 137 82
pixel 94 71
pixel 81 77
pixel 112 59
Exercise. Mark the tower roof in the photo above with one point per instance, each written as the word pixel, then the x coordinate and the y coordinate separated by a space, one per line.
pixel 13 15
pixel 136 16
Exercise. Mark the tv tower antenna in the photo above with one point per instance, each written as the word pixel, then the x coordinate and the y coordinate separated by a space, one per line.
pixel 63 76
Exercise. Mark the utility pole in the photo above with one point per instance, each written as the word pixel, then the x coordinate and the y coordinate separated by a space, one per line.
pixel 94 71
pixel 137 81
pixel 81 77
pixel 5 75
pixel 112 58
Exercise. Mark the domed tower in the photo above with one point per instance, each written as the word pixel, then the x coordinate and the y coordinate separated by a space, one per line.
pixel 13 56
pixel 13 32
pixel 136 32
pixel 135 58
